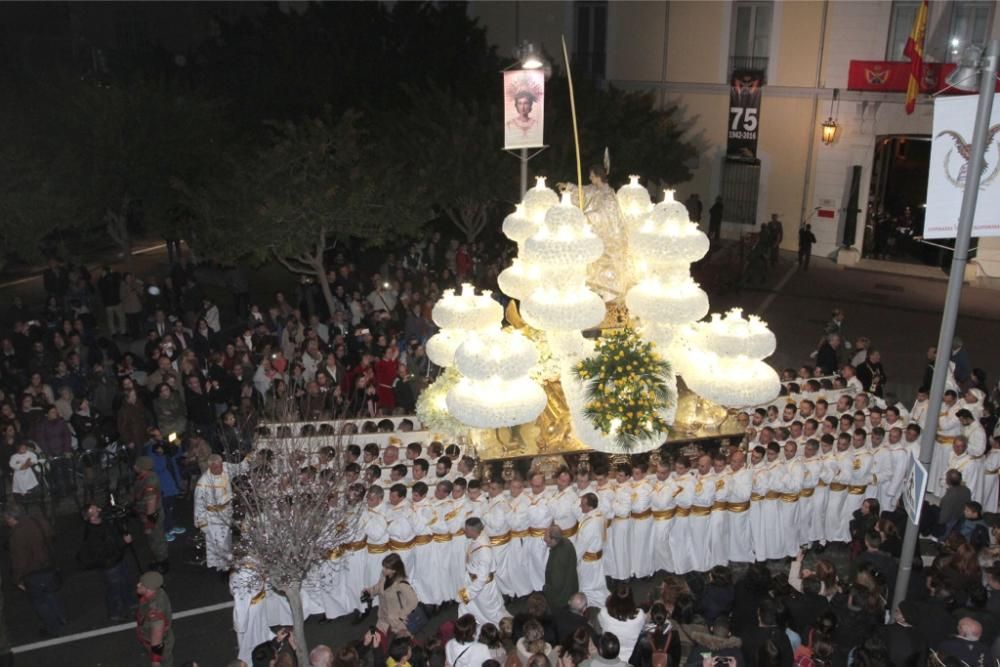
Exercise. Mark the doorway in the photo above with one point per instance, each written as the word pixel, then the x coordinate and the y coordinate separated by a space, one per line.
pixel 896 200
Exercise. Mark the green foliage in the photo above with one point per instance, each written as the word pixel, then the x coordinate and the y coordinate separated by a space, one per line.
pixel 627 388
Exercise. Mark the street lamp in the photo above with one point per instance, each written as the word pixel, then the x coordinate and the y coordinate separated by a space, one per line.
pixel 962 78
pixel 528 58
pixel 829 127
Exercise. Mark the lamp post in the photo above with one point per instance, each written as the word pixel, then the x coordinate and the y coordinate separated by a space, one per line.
pixel 987 71
pixel 529 59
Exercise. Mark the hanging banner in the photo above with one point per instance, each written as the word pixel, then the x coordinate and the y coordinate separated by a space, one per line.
pixel 524 110
pixel 744 114
pixel 949 164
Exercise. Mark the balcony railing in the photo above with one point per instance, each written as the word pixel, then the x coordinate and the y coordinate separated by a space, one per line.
pixel 748 63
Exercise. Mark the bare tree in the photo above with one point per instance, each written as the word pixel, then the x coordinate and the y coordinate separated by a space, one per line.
pixel 292 513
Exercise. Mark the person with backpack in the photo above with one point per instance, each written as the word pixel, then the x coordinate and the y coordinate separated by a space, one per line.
pixel 396 599
pixel 658 645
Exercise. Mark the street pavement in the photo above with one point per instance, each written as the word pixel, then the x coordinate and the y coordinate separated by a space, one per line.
pixel 900 314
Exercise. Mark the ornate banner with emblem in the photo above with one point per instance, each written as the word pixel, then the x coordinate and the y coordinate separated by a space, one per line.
pixel 891 77
pixel 524 110
pixel 744 114
pixel 950 152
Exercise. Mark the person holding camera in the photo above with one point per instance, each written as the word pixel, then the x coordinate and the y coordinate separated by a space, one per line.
pixel 395 597
pixel 104 545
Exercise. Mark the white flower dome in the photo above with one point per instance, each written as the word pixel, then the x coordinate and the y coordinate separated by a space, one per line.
pixel 467 310
pixel 496 403
pixel 538 200
pixel 517 226
pixel 634 199
pixel 503 354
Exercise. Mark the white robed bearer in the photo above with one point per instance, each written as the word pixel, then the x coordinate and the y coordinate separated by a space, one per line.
pixel 480 595
pixel 213 511
pixel 590 551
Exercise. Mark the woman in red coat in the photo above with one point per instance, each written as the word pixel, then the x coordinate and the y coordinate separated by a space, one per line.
pixel 386 370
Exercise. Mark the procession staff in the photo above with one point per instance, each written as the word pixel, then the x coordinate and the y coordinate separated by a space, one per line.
pixel 539 519
pixel 479 594
pixel 641 547
pixel 663 504
pixel 519 579
pixel 590 551
pixel 739 490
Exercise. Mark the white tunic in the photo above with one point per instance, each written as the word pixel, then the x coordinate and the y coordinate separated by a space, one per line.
pixel 620 535
pixel 884 470
pixel 948 428
pixel 641 551
pixel 590 544
pixel 377 535
pixel 213 515
pixel 811 472
pixel 680 533
pixel 518 576
pixel 535 552
pixel 760 485
pixel 991 475
pixel 860 483
pixel 24 479
pixel 791 474
pixel 700 519
pixel 249 613
pixel 496 519
pixel 971 469
pixel 719 522
pixel 442 583
pixel 480 595
pixel 901 461
pixel 565 505
pixel 400 525
pixel 740 535
pixel 976 435
pixel 774 545
pixel 424 573
pixel 821 497
pixel 663 503
pixel 837 526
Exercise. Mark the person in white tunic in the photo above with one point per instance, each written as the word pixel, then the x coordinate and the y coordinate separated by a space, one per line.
pixel 821 499
pixel 605 490
pixel 590 551
pixel 480 595
pixel 970 467
pixel 496 520
pixel 641 551
pixel 718 526
pixel 249 613
pixel 991 478
pixel 861 476
pixel 442 582
pixel 740 488
pixel 565 504
pixel 701 514
pixel 792 476
pixel 680 533
pixel 423 517
pixel 376 535
pixel 918 413
pixel 620 534
pixel 837 518
pixel 213 512
pixel 760 485
pixel 456 524
pixel 774 531
pixel 22 462
pixel 948 428
pixel 400 524
pixel 663 505
pixel 901 460
pixel 811 470
pixel 882 468
pixel 519 579
pixel 975 437
pixel 539 519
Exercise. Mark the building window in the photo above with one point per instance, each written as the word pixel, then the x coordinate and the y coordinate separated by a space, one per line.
pixel 591 43
pixel 970 24
pixel 751 36
pixel 903 16
pixel 740 184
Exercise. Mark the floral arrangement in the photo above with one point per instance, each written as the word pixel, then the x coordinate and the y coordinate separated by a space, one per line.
pixel 432 408
pixel 627 387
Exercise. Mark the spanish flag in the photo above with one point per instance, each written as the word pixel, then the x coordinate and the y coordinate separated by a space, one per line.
pixel 915 52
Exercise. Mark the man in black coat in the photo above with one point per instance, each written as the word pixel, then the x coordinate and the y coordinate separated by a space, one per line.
pixel 966 645
pixel 104 546
pixel 804 609
pixel 878 560
pixel 903 642
pixel 571 617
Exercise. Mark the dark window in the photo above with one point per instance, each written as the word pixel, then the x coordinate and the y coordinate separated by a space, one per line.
pixel 740 183
pixel 591 44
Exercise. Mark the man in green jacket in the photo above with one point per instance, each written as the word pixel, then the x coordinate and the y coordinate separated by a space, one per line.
pixel 560 570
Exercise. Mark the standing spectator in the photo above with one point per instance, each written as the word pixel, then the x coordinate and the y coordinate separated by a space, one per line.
pixel 147 504
pixel 25 483
pixel 171 416
pixel 167 464
pixel 766 644
pixel 109 286
pixel 104 547
pixel 621 617
pixel 32 567
pixel 806 241
pixel 133 423
pixel 463 650
pixel 694 207
pixel 963 366
pixel 776 237
pixel 829 355
pixel 715 221
pixel 131 303
pixel 55 441
pixel 561 580
pixel 609 653
pixel 395 596
pixel 872 374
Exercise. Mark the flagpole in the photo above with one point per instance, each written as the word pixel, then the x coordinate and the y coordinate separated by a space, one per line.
pixel 970 195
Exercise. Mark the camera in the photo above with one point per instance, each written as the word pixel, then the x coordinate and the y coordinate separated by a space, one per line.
pixel 366 598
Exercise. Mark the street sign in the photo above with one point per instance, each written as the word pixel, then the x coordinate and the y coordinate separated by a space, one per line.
pixel 914 489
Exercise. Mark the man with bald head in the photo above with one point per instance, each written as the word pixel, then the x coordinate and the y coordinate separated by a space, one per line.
pixel 967 645
pixel 321 656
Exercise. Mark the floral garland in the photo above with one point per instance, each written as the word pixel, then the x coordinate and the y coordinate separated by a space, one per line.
pixel 432 409
pixel 627 388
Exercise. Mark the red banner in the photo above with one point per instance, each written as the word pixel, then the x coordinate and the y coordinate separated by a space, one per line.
pixel 891 77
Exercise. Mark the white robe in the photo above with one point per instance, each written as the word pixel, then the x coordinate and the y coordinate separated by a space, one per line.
pixel 565 506
pixel 760 485
pixel 948 428
pixel 699 521
pixel 719 522
pixel 859 488
pixel 837 520
pixel 774 545
pixel 680 533
pixel 991 476
pixel 901 461
pixel 498 530
pixel 663 504
pixel 441 582
pixel 740 535
pixel 791 475
pixel 518 575
pixel 620 535
pixel 883 469
pixel 480 595
pixel 821 497
pixel 213 515
pixel 976 435
pixel 377 534
pixel 811 470
pixel 456 548
pixel 423 574
pixel 249 611
pixel 590 542
pixel 535 552
pixel 641 551
pixel 972 472
pixel 399 524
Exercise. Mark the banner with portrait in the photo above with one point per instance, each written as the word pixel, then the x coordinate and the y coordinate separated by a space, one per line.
pixel 744 114
pixel 524 108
